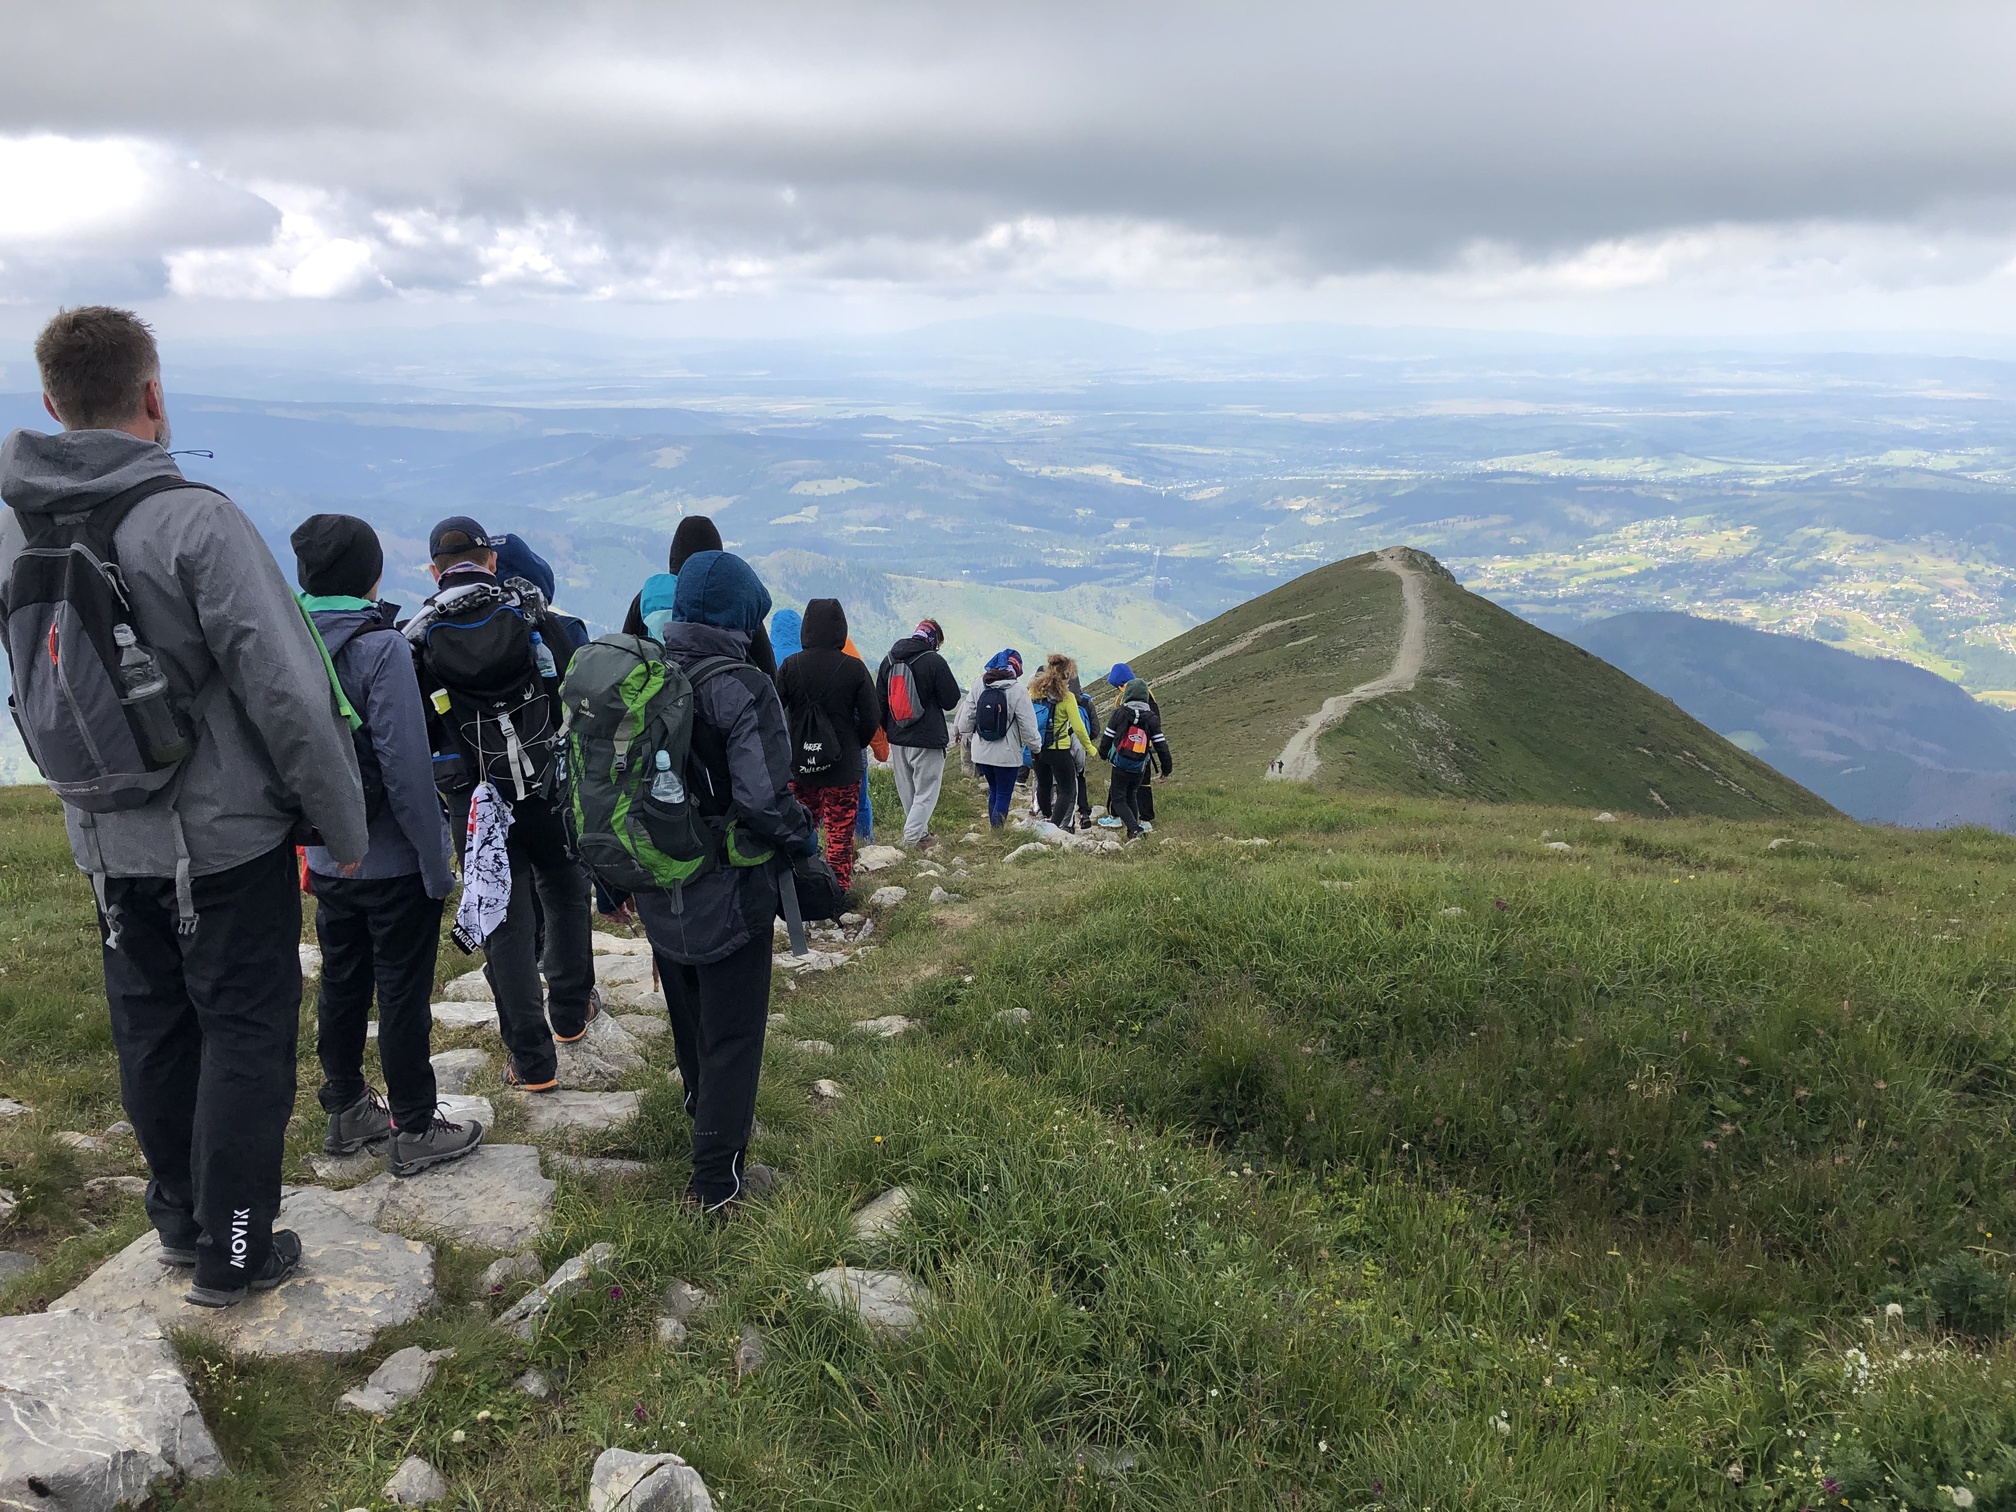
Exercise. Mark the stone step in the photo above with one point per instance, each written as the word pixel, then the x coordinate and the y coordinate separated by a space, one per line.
pixel 355 1281
pixel 576 1112
pixel 496 1198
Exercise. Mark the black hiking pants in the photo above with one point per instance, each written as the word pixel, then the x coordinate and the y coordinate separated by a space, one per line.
pixel 549 925
pixel 719 1013
pixel 1057 786
pixel 1121 796
pixel 206 1026
pixel 379 933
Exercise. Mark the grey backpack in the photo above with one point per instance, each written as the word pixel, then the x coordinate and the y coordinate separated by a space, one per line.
pixel 88 697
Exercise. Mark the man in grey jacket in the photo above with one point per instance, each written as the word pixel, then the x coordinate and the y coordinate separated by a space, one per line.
pixel 205 987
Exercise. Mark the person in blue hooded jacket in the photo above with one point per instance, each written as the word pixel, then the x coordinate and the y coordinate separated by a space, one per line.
pixel 516 559
pixel 787 635
pixel 712 939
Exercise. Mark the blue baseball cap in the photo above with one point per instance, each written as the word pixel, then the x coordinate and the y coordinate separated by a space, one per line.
pixel 456 534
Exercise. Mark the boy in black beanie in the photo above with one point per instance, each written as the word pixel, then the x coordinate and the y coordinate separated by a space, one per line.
pixel 379 922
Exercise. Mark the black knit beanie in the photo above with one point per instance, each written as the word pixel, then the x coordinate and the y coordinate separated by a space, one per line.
pixel 337 554
pixel 696 533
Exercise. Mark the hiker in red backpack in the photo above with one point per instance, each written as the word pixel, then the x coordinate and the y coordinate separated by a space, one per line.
pixel 1131 740
pixel 916 688
pixel 1001 722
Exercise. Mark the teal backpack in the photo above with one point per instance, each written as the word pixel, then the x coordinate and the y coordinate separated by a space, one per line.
pixel 628 729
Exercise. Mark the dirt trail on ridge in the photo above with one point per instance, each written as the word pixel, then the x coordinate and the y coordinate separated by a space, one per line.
pixel 1230 648
pixel 1297 761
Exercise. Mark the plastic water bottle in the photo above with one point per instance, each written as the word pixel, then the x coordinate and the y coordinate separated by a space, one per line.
pixel 543 654
pixel 145 689
pixel 666 786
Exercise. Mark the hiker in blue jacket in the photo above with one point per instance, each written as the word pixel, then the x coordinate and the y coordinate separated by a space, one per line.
pixel 378 922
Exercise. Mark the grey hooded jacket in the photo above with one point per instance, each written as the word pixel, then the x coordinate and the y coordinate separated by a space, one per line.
pixel 208 597
pixel 410 833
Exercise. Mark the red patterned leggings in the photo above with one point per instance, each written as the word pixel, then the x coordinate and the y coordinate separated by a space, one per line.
pixel 833 810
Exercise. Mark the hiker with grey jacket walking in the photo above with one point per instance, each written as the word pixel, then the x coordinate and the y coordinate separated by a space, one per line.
pixel 379 924
pixel 170 690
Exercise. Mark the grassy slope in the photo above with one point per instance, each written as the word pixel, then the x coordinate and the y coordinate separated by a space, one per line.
pixel 1288 1190
pixel 1503 712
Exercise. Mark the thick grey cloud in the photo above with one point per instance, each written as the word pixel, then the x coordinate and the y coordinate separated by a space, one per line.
pixel 529 145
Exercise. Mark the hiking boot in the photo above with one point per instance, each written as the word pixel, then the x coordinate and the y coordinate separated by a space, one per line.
pixel 513 1077
pixel 1147 826
pixel 928 843
pixel 177 1256
pixel 1107 821
pixel 594 1012
pixel 365 1121
pixel 437 1144
pixel 281 1262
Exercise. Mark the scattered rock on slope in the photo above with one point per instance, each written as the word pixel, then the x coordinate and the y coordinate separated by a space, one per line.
pixel 625 1482
pixel 522 1317
pixel 415 1484
pixel 882 1216
pixel 496 1198
pixel 887 1301
pixel 402 1377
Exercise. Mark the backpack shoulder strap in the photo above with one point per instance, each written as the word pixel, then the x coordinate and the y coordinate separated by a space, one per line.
pixel 101 521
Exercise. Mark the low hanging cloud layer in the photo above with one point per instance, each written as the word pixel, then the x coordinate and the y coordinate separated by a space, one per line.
pixel 657 151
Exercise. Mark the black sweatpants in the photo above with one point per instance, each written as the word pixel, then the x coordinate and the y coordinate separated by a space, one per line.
pixel 548 924
pixel 1057 786
pixel 718 1012
pixel 1121 796
pixel 206 1027
pixel 382 933
pixel 1144 797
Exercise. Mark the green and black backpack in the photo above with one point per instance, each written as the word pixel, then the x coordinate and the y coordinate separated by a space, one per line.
pixel 628 729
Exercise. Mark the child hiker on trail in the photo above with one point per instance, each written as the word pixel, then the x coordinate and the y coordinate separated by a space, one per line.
pixel 1131 740
pixel 1064 738
pixel 1001 723
pixel 1118 680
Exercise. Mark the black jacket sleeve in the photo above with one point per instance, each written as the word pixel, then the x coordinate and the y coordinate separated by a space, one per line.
pixel 867 706
pixel 633 621
pixel 761 656
pixel 943 689
pixel 1159 743
pixel 759 761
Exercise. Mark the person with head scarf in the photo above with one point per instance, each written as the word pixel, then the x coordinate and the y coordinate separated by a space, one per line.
pixel 698 533
pixel 787 632
pixel 916 668
pixel 1000 721
pixel 830 707
pixel 711 937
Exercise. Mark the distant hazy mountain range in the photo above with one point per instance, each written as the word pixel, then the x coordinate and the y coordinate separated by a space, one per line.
pixel 1881 740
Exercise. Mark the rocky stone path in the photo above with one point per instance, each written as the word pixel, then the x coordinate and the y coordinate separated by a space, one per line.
pixel 94 1405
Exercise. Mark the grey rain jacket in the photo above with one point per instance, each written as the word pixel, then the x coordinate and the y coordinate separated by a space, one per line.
pixel 410 832
pixel 715 915
pixel 208 597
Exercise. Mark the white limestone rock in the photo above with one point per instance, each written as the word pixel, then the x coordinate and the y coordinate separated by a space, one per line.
pixel 874 858
pixel 1033 848
pixel 1559 845
pixel 92 1412
pixel 355 1281
pixel 827 1090
pixel 598 1167
pixel 812 1047
pixel 621 945
pixel 886 1027
pixel 464 1015
pixel 670 1332
pixel 1606 817
pixel 470 987
pixel 625 1482
pixel 644 1026
pixel 577 1112
pixel 534 1384
pixel 415 1484
pixel 501 1273
pixel 311 961
pixel 623 970
pixel 116 1186
pixel 939 897
pixel 882 1216
pixel 83 1144
pixel 812 960
pixel 455 1069
pixel 684 1301
pixel 522 1317
pixel 12 1109
pixel 601 1057
pixel 496 1198
pixel 13 1263
pixel 1012 1016
pixel 889 1302
pixel 402 1377
pixel 751 1355
pixel 887 897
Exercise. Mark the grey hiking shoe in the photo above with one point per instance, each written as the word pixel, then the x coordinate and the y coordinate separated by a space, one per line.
pixel 281 1262
pixel 437 1144
pixel 365 1121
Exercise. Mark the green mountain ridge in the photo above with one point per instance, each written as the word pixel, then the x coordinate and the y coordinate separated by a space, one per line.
pixel 1501 711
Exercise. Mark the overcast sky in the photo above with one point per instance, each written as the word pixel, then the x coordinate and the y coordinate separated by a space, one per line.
pixel 1616 165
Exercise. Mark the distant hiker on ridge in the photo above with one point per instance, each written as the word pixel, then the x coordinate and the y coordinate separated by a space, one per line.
pixel 170 689
pixel 916 687
pixel 490 657
pixel 379 924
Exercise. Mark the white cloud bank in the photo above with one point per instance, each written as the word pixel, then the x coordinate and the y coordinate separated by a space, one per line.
pixel 1447 152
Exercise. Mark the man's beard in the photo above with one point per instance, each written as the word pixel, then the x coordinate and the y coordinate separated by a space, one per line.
pixel 162 433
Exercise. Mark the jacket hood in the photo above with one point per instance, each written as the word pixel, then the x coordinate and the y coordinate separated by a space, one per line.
pixel 910 648
pixel 825 625
pixel 339 627
pixel 719 588
pixel 691 642
pixel 1136 691
pixel 73 470
pixel 659 589
pixel 696 533
pixel 786 634
pixel 517 559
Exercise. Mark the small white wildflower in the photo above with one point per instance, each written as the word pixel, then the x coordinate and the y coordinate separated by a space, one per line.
pixel 1893 1309
pixel 1735 1472
pixel 1322 1446
pixel 1214 1391
pixel 458 1436
pixel 1962 1497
